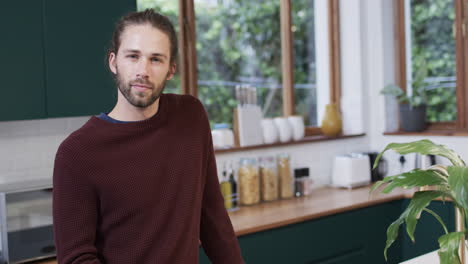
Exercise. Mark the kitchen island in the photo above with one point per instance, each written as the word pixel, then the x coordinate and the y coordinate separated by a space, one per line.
pixel 352 220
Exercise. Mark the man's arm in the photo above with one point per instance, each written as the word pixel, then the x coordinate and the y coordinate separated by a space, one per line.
pixel 74 213
pixel 216 232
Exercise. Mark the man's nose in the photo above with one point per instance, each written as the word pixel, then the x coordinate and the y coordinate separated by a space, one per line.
pixel 143 68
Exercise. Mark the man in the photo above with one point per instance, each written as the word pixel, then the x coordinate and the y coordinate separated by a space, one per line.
pixel 139 184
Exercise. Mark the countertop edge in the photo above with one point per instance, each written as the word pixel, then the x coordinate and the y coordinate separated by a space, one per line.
pixel 380 199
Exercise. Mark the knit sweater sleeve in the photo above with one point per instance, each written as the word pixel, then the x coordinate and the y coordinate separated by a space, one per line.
pixel 216 232
pixel 74 212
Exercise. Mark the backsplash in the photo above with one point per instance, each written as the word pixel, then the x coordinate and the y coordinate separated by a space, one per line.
pixel 318 156
pixel 28 147
pixel 28 150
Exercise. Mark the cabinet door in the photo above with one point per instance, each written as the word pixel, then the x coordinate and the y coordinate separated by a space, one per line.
pixel 22 93
pixel 77 34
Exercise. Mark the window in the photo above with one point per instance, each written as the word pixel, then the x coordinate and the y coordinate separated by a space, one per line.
pixel 305 76
pixel 431 57
pixel 238 42
pixel 225 43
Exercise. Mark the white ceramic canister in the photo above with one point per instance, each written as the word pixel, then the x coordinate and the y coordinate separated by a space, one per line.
pixel 297 124
pixel 270 132
pixel 284 129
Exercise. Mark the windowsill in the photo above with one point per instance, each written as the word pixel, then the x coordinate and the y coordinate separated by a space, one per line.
pixel 452 133
pixel 307 139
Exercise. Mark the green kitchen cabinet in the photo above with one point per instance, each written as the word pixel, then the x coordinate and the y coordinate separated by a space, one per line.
pixel 21 61
pixel 353 237
pixel 77 35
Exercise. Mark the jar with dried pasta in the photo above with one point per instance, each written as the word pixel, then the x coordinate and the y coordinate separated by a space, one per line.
pixel 286 180
pixel 249 184
pixel 268 179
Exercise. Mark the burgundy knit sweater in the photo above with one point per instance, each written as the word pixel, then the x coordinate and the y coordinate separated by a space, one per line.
pixel 142 192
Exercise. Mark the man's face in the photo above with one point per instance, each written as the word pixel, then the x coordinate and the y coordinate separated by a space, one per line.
pixel 142 64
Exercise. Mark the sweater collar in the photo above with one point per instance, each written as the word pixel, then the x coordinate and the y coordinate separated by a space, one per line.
pixel 155 120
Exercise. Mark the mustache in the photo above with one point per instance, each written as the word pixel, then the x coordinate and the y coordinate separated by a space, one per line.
pixel 142 81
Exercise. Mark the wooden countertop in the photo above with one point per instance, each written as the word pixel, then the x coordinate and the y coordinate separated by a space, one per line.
pixel 321 202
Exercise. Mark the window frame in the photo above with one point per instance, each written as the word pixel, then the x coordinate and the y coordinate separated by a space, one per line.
pixel 461 23
pixel 188 55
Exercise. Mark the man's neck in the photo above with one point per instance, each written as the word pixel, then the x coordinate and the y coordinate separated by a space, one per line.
pixel 124 111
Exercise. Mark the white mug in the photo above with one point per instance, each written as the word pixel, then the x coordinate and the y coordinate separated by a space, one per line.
pixel 284 129
pixel 270 132
pixel 297 124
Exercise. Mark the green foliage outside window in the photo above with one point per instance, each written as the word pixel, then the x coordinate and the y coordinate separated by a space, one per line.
pixel 433 43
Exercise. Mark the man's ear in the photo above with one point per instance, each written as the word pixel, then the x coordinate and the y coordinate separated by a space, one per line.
pixel 112 62
pixel 172 71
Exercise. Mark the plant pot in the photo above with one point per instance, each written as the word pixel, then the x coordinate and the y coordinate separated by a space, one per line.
pixel 412 119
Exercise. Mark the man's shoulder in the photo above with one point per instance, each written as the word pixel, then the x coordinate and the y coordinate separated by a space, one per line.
pixel 189 108
pixel 184 100
pixel 77 139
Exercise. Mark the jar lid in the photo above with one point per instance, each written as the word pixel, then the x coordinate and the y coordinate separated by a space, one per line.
pixel 221 126
pixel 301 172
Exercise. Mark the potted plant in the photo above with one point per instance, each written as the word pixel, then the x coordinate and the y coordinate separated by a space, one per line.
pixel 446 182
pixel 412 107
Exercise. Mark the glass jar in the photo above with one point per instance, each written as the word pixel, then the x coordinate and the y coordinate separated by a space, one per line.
pixel 223 137
pixel 249 184
pixel 302 182
pixel 268 179
pixel 286 180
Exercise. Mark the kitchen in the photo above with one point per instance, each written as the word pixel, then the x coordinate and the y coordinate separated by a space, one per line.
pixel 366 60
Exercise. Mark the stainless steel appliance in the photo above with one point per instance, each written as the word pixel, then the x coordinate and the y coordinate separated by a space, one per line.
pixel 26 221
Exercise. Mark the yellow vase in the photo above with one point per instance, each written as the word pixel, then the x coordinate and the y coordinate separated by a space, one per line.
pixel 331 123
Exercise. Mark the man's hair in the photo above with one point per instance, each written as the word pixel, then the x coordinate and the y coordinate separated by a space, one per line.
pixel 140 18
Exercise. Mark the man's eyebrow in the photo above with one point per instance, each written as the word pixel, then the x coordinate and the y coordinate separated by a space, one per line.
pixel 152 54
pixel 132 51
pixel 159 55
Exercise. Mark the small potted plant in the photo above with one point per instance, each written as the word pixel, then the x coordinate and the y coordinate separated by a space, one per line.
pixel 445 182
pixel 412 106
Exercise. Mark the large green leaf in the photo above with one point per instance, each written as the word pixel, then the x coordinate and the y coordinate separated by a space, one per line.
pixel 458 182
pixel 392 232
pixel 449 244
pixel 435 175
pixel 419 202
pixel 415 178
pixel 380 183
pixel 424 147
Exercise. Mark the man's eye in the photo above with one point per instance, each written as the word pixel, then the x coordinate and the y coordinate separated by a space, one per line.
pixel 155 59
pixel 132 56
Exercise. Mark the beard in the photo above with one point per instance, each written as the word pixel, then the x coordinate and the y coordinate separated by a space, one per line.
pixel 137 98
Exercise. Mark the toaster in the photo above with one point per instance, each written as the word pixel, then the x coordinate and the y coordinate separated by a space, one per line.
pixel 351 170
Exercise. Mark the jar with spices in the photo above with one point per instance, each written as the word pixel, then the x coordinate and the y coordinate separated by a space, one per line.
pixel 249 184
pixel 268 179
pixel 302 182
pixel 286 180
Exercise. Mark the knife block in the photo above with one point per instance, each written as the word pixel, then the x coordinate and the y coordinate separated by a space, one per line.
pixel 247 125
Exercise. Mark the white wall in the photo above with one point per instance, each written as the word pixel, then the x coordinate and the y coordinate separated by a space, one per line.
pixel 27 148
